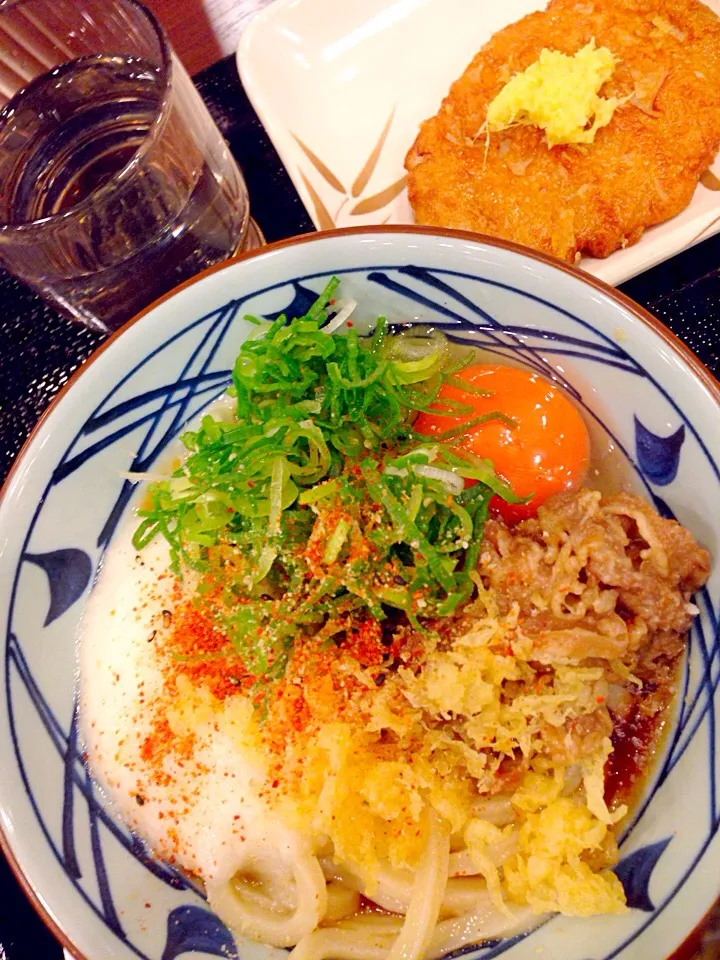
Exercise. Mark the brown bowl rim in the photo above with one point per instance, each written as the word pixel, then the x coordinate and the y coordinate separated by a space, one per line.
pixel 700 371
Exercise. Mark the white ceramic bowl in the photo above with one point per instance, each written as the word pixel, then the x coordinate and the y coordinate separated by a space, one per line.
pixel 91 880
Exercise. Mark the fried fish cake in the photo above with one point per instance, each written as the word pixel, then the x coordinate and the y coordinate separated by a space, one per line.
pixel 641 169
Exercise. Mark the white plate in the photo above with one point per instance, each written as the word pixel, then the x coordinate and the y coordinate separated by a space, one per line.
pixel 332 80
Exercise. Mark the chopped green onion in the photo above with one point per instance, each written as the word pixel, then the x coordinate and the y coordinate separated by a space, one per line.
pixel 317 502
pixel 467 387
pixel 336 541
pixel 322 490
pixel 470 424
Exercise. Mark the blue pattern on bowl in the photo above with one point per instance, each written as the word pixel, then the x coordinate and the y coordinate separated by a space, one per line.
pixel 68 572
pixel 191 929
pixel 635 873
pixel 659 457
pixel 131 426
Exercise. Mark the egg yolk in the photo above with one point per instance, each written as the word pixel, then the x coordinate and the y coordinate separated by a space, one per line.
pixel 546 451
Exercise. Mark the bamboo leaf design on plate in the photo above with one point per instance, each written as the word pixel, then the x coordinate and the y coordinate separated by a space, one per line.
pixel 362 179
pixel 379 200
pixel 322 168
pixel 324 219
pixel 701 233
pixel 709 180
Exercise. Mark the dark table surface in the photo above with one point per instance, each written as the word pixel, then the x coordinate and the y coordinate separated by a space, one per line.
pixel 39 351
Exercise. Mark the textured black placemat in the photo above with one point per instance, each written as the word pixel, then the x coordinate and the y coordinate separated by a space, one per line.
pixel 685 294
pixel 39 350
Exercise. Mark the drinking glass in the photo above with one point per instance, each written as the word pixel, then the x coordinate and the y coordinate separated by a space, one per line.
pixel 115 184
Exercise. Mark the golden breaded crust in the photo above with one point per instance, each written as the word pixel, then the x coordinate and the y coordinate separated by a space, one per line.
pixel 640 170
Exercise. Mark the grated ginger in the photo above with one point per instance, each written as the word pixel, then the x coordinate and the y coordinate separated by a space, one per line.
pixel 559 94
pixel 548 873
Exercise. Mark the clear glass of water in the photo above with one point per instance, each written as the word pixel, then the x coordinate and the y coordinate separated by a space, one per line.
pixel 115 183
